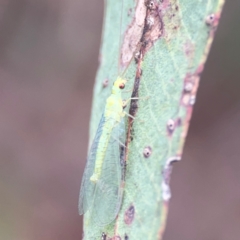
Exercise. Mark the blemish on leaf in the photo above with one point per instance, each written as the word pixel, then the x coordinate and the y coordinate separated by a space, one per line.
pixel 129 12
pixel 170 126
pixel 122 162
pixel 168 10
pixel 149 35
pixel 129 215
pixel 166 192
pixel 167 170
pixel 153 28
pixel 192 100
pixel 178 122
pixel 137 56
pixel 133 34
pixel 147 152
pixel 210 19
pixel 131 133
pixel 150 21
pixel 188 87
pixel 172 160
pixel 134 102
pixel 105 83
pixel 126 237
pixel 104 236
pixel 151 4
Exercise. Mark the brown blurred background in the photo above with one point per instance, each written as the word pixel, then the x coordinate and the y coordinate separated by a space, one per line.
pixel 48 59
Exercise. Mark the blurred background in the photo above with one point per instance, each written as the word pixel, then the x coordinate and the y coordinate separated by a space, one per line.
pixel 48 60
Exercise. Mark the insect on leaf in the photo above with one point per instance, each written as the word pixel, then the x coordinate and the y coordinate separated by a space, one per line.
pixel 103 198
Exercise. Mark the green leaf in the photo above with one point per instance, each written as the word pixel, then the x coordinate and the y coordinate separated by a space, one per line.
pixel 173 38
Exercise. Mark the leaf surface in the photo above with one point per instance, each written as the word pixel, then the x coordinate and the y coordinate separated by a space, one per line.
pixel 173 51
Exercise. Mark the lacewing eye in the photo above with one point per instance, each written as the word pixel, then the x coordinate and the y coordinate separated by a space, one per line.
pixel 122 86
